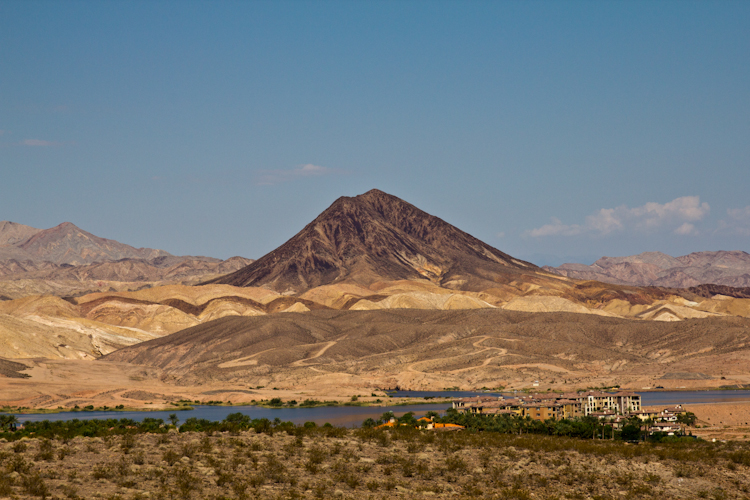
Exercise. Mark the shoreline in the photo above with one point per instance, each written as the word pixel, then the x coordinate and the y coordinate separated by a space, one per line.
pixel 322 404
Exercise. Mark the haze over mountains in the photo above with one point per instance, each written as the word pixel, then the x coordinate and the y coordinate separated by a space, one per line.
pixel 66 260
pixel 729 268
pixel 65 244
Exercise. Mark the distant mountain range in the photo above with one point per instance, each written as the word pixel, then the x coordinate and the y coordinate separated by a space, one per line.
pixel 65 244
pixel 378 237
pixel 68 254
pixel 728 268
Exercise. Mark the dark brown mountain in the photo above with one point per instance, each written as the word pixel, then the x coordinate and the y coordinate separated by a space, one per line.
pixel 379 237
pixel 728 268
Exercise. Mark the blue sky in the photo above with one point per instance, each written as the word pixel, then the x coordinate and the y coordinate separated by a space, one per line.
pixel 555 131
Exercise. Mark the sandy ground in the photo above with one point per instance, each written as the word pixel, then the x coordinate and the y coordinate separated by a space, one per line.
pixel 720 421
pixel 723 421
pixel 65 383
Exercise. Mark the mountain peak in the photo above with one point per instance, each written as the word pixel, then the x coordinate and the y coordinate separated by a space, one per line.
pixel 13 233
pixel 379 237
pixel 66 243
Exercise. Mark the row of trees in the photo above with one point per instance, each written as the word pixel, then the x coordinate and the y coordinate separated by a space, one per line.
pixel 585 428
pixel 68 429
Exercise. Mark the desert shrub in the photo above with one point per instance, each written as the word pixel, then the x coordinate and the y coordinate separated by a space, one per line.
pixel 315 457
pixel 414 447
pixel 256 480
pixel 69 491
pixel 188 450
pixel 683 471
pixel 46 451
pixel 408 467
pixel 741 457
pixel 127 443
pixel 19 447
pixel 206 446
pixel 454 463
pixel 186 482
pixel 350 479
pixel 471 490
pixel 171 457
pixel 34 485
pixel 103 471
pixel 240 489
pixel 515 494
pixel 390 484
pixel 273 469
pixel 652 478
pixel 6 485
pixel 62 453
pixel 17 464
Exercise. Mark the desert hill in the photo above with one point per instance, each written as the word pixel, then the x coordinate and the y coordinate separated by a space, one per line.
pixel 21 278
pixel 65 244
pixel 728 268
pixel 12 233
pixel 378 237
pixel 434 349
pixel 66 260
pixel 34 325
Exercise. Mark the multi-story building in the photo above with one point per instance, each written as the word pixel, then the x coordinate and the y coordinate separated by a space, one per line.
pixel 552 405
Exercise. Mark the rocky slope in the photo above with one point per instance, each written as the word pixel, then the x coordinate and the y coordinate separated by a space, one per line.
pixel 66 260
pixel 435 349
pixel 378 237
pixel 729 268
pixel 12 233
pixel 67 244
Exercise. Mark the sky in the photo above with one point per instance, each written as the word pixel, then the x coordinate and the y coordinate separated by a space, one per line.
pixel 554 131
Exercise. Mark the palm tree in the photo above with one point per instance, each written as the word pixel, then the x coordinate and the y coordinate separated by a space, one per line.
pixel 8 422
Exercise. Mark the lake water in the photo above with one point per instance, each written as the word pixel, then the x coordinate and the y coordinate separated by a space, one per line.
pixel 346 416
pixel 352 416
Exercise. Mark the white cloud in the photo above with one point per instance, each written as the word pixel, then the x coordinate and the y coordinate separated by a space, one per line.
pixel 557 228
pixel 687 229
pixel 739 221
pixel 676 215
pixel 39 143
pixel 270 177
pixel 740 214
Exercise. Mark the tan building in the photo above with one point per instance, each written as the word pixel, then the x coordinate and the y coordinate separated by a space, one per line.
pixel 553 405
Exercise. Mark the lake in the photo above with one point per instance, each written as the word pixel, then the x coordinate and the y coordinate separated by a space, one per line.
pixel 346 416
pixel 352 416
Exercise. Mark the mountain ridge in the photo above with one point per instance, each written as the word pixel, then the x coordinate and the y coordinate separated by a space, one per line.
pixel 67 260
pixel 374 237
pixel 723 267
